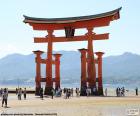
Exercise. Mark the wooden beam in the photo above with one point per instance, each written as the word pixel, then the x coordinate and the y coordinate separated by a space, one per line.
pixel 75 38
pixel 44 79
pixel 43 61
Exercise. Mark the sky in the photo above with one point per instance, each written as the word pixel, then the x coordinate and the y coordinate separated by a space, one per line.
pixel 17 37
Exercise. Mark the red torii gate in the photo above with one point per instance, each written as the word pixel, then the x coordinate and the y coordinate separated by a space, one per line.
pixel 87 58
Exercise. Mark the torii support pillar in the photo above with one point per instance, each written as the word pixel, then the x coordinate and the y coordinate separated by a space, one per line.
pixel 57 70
pixel 38 70
pixel 99 61
pixel 83 72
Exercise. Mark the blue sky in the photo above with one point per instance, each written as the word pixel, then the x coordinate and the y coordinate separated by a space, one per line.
pixel 17 37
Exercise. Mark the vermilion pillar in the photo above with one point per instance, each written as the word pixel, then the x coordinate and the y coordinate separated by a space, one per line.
pixel 83 71
pixel 49 83
pixel 90 59
pixel 57 70
pixel 99 61
pixel 38 71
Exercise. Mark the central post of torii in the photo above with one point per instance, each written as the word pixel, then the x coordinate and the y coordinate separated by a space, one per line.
pixel 49 82
pixel 90 58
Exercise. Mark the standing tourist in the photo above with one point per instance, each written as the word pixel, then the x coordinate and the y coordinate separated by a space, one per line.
pixel 24 93
pixel 136 91
pixel 106 92
pixel 69 93
pixel 66 93
pixel 1 91
pixel 16 91
pixel 77 92
pixel 94 90
pixel 19 93
pixel 123 91
pixel 52 92
pixel 72 92
pixel 4 97
pixel 41 93
pixel 117 91
pixel 88 91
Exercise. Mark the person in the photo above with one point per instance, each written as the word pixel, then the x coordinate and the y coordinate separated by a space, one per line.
pixel 1 91
pixel 52 92
pixel 94 90
pixel 136 91
pixel 24 93
pixel 72 92
pixel 64 90
pixel 16 91
pixel 69 93
pixel 106 92
pixel 66 93
pixel 4 97
pixel 123 91
pixel 41 93
pixel 77 92
pixel 88 91
pixel 58 92
pixel 117 91
pixel 19 93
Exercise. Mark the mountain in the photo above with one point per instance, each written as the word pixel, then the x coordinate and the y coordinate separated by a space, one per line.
pixel 121 69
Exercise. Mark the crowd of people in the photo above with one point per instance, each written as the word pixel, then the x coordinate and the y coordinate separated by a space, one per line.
pixel 57 92
pixel 4 95
pixel 20 92
pixel 120 91
pixel 68 92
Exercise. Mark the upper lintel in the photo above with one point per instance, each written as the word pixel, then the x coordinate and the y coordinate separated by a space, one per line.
pixel 69 19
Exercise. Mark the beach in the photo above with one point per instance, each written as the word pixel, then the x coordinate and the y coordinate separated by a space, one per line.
pixel 75 106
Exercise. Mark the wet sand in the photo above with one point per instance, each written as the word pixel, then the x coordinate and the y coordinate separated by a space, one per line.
pixel 75 106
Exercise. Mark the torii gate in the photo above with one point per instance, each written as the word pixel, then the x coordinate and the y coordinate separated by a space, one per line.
pixel 69 25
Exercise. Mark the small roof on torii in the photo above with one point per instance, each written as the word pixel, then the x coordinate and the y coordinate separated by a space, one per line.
pixel 111 15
